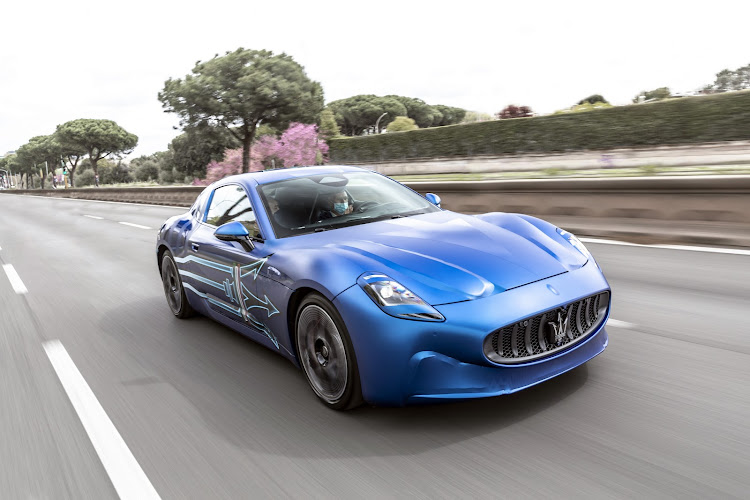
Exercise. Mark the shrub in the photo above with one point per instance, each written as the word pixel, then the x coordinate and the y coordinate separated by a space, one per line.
pixel 721 117
pixel 402 124
pixel 85 178
pixel 166 176
pixel 513 111
pixel 147 171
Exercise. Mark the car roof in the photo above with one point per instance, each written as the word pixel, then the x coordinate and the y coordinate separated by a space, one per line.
pixel 280 174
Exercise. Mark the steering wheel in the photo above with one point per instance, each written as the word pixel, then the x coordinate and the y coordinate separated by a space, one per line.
pixel 366 205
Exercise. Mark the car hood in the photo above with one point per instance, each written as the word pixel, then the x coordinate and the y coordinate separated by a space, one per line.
pixel 447 257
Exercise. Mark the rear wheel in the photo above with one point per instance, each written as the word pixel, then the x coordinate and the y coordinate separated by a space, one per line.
pixel 173 289
pixel 326 354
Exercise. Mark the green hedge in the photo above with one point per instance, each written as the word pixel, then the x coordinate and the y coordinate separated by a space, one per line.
pixel 722 117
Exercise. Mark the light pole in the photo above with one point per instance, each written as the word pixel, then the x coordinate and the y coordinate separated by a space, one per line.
pixel 378 122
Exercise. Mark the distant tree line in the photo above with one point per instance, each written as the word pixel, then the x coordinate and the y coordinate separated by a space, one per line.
pixel 231 102
pixel 73 141
pixel 371 114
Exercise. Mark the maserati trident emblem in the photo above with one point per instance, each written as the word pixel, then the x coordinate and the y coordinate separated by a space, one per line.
pixel 559 328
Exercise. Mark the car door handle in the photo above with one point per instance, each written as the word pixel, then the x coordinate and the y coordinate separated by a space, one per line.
pixel 194 246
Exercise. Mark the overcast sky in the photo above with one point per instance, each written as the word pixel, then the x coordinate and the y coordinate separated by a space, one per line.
pixel 67 59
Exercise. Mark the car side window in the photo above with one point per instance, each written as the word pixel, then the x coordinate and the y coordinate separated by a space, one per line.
pixel 198 208
pixel 230 203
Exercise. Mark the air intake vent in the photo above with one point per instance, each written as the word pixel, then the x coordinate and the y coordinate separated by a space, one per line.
pixel 551 331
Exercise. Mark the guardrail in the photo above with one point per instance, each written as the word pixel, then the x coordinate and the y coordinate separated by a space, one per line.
pixel 702 209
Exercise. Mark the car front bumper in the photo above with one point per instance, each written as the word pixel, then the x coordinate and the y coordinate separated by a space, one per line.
pixel 405 361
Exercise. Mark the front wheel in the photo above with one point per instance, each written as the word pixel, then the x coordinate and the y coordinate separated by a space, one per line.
pixel 326 354
pixel 173 289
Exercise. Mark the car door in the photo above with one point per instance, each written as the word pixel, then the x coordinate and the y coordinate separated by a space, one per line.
pixel 223 272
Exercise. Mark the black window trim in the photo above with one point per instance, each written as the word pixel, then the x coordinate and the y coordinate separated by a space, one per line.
pixel 204 215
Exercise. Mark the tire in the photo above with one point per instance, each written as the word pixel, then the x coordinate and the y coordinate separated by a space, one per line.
pixel 326 353
pixel 173 289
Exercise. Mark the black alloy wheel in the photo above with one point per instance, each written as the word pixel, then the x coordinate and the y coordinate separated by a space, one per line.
pixel 326 353
pixel 173 289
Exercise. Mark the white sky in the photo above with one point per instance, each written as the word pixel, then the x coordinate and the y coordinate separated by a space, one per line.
pixel 67 59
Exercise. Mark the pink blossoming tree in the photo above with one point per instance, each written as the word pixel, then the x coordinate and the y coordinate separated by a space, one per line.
pixel 299 145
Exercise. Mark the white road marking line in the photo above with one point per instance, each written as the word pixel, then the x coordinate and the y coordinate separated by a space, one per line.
pixel 104 201
pixel 126 475
pixel 619 324
pixel 93 217
pixel 15 279
pixel 733 251
pixel 134 225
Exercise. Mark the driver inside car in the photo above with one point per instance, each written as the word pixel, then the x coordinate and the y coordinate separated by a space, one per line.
pixel 336 205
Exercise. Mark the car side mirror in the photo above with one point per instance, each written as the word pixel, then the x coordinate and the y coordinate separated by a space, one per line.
pixel 235 231
pixel 433 198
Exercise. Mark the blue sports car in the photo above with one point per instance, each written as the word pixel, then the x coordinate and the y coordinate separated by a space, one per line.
pixel 377 293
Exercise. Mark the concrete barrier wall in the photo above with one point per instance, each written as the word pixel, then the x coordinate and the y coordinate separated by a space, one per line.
pixel 705 198
pixel 174 196
pixel 725 153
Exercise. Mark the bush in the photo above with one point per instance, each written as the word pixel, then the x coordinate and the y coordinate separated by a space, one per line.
pixel 166 177
pixel 722 117
pixel 402 124
pixel 147 171
pixel 85 178
pixel 513 111
pixel 115 174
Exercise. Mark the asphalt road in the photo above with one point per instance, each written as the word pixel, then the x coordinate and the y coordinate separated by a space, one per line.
pixel 207 413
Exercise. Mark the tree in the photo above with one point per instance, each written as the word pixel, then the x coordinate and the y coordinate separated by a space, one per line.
pixel 116 173
pixel 147 171
pixel 328 127
pixel 655 95
pixel 513 111
pixel 360 113
pixel 593 99
pixel 38 151
pixel 450 115
pixel 239 90
pixel 24 163
pixel 198 146
pixel 402 124
pixel 99 138
pixel 10 163
pixel 152 167
pixel 230 165
pixel 300 145
pixel 422 113
pixel 727 81
pixel 73 154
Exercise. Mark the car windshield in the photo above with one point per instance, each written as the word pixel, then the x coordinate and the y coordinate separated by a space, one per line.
pixel 329 201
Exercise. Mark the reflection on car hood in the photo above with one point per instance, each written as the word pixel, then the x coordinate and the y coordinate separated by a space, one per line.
pixel 448 257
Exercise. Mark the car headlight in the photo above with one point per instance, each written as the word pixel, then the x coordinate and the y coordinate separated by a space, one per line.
pixel 395 299
pixel 577 244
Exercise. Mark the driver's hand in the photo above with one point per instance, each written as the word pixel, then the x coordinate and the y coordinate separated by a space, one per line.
pixel 349 210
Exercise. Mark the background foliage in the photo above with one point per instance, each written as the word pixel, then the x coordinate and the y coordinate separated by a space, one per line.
pixel 723 117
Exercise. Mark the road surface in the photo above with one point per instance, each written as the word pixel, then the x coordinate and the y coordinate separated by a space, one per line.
pixel 206 413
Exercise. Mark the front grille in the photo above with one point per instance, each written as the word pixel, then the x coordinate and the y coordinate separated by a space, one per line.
pixel 548 332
